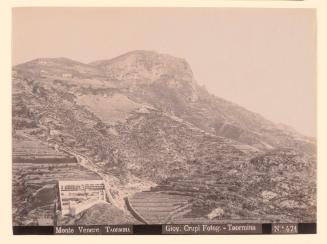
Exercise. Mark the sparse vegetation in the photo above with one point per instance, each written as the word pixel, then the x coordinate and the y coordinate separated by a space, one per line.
pixel 145 121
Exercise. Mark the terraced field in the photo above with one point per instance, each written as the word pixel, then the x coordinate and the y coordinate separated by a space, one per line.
pixel 191 187
pixel 31 149
pixel 201 220
pixel 184 201
pixel 158 207
pixel 36 170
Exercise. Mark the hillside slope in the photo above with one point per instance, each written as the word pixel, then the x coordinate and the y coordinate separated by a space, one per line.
pixel 143 120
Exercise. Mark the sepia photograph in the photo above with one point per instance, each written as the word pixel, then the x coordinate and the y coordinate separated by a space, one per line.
pixel 181 117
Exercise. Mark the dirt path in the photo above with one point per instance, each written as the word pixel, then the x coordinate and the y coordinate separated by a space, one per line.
pixel 88 164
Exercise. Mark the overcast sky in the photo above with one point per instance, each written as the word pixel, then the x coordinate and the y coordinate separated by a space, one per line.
pixel 262 59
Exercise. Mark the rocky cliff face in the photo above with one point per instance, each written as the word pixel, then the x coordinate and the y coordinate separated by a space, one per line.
pixel 142 117
pixel 167 83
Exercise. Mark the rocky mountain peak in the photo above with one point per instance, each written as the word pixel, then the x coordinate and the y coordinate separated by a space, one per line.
pixel 60 67
pixel 59 61
pixel 145 65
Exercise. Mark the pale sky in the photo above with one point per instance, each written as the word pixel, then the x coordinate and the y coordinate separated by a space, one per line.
pixel 261 59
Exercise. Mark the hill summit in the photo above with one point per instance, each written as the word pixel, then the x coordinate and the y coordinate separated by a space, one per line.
pixel 144 65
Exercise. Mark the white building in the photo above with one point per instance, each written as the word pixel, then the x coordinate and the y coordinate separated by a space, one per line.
pixel 66 75
pixel 76 196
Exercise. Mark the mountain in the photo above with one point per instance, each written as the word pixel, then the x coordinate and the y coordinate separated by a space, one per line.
pixel 167 83
pixel 144 120
pixel 144 66
pixel 63 67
